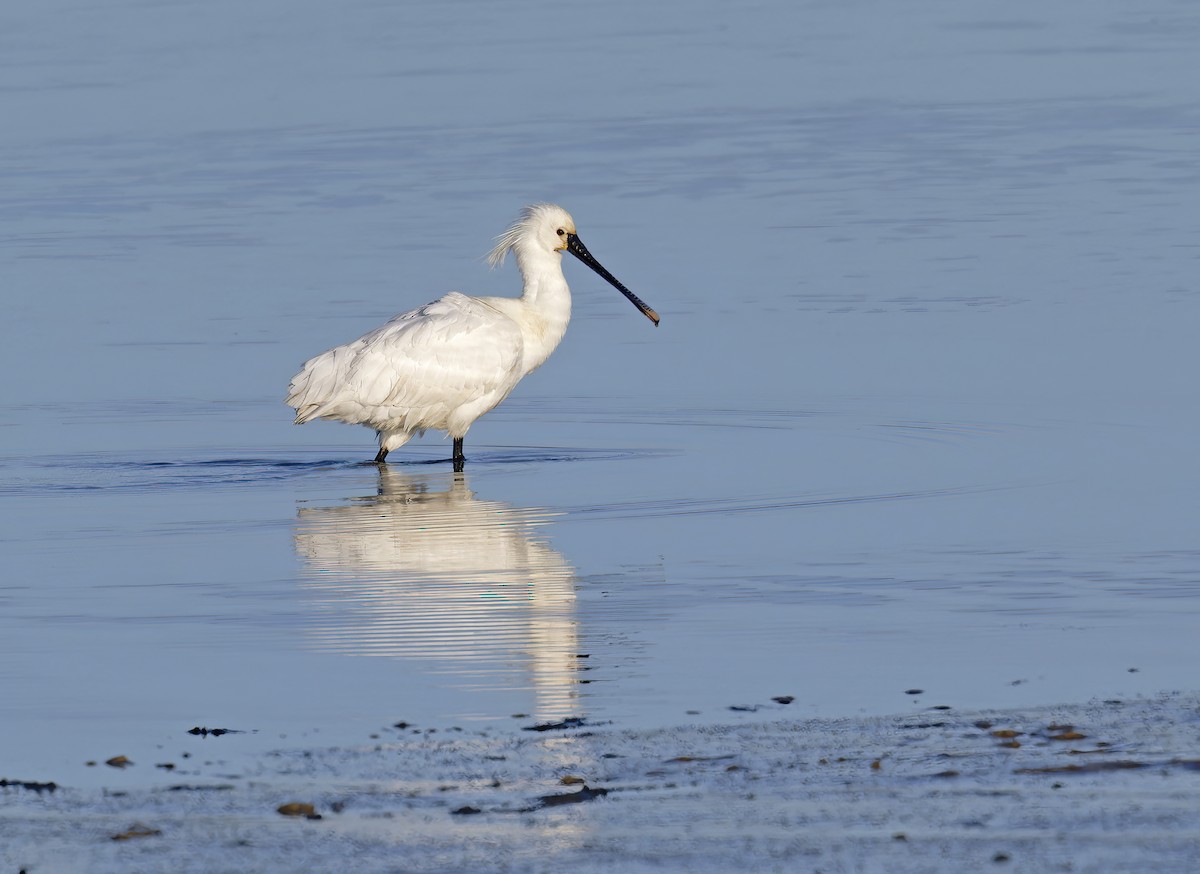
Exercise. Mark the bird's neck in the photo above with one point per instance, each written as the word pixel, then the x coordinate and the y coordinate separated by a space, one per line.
pixel 547 301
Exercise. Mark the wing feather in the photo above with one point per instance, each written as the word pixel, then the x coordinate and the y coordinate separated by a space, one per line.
pixel 415 371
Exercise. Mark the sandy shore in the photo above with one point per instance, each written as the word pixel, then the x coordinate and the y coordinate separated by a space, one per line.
pixel 1103 787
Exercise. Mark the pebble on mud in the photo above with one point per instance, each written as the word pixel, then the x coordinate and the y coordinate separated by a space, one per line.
pixel 136 831
pixel 569 722
pixel 584 794
pixel 299 808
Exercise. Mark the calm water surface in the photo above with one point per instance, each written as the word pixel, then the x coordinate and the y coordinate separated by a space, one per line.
pixel 921 414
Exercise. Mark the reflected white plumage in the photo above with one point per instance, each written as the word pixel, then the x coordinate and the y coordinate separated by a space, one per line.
pixel 442 366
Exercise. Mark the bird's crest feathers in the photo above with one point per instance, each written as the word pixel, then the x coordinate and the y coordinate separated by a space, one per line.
pixel 529 219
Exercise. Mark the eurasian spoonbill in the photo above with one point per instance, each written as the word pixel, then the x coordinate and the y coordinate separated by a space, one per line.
pixel 442 366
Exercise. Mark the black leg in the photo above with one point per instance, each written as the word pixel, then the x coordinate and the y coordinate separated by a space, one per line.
pixel 458 453
pixel 380 455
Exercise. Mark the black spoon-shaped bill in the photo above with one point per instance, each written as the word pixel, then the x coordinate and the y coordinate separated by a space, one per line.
pixel 575 247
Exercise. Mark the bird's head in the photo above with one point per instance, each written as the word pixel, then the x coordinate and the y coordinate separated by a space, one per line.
pixel 540 228
pixel 547 229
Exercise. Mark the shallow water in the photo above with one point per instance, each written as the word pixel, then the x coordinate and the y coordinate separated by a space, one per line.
pixel 921 413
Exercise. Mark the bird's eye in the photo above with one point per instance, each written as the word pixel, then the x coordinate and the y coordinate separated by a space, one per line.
pixel 561 232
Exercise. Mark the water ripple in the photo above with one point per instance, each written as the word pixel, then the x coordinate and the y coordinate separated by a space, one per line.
pixel 105 473
pixel 725 506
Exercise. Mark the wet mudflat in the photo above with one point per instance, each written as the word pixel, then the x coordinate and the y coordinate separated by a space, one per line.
pixel 916 437
pixel 1093 788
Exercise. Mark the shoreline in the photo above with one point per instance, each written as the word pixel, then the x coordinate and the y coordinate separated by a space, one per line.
pixel 1083 787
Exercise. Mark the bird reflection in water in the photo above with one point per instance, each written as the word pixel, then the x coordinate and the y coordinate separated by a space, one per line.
pixel 423 573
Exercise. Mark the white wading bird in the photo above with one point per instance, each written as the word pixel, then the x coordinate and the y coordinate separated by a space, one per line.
pixel 443 365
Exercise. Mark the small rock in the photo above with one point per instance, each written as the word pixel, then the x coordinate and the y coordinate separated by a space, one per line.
pixel 136 831
pixel 569 722
pixel 297 808
pixel 584 794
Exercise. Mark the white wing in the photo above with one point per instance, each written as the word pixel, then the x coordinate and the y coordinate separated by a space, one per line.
pixel 414 372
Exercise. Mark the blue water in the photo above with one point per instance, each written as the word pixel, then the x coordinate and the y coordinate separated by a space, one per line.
pixel 921 413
